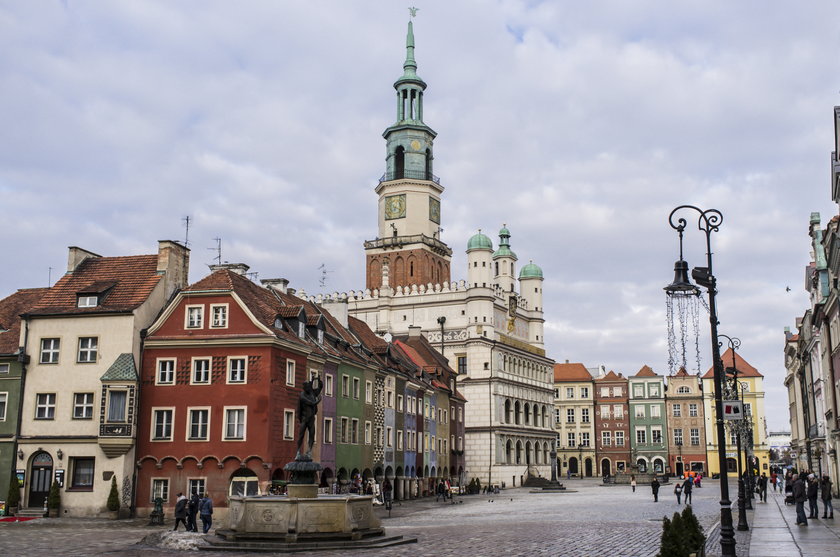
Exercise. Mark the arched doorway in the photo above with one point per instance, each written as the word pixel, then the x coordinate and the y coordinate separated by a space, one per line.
pixel 588 467
pixel 39 485
pixel 244 482
pixel 642 464
pixel 658 466
pixel 573 465
pixel 605 467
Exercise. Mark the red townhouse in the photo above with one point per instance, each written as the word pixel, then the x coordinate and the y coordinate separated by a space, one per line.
pixel 612 423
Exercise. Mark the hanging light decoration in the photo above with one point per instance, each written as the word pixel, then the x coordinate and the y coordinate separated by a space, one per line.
pixel 682 314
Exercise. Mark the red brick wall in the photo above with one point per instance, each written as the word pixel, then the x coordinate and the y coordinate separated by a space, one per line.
pixel 428 268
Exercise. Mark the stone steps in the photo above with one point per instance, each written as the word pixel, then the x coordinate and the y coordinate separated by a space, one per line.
pixel 278 546
pixel 31 512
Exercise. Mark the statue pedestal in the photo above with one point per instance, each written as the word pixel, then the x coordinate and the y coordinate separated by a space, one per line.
pixel 302 491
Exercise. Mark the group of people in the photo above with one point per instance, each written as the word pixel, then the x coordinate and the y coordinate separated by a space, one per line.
pixel 682 489
pixel 187 509
pixel 807 487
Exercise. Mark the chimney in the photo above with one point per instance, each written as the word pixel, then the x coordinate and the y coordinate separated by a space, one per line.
pixel 238 268
pixel 174 264
pixel 278 284
pixel 76 256
pixel 414 331
pixel 338 309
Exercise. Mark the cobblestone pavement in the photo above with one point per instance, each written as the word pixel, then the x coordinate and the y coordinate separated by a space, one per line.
pixel 594 521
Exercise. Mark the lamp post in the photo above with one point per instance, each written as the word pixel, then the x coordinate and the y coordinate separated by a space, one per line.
pixel 580 458
pixel 734 344
pixel 709 221
pixel 682 466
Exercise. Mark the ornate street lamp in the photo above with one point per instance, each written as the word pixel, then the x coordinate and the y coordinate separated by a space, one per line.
pixel 709 221
pixel 732 394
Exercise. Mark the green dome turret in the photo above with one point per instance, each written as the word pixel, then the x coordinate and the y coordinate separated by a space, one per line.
pixel 530 271
pixel 504 244
pixel 479 241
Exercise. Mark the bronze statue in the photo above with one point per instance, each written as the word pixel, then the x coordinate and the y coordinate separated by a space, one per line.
pixel 307 409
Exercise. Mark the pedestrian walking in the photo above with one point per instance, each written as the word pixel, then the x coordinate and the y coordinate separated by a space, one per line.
pixel 774 479
pixel 181 512
pixel 678 491
pixel 800 495
pixel 633 482
pixel 386 492
pixel 825 489
pixel 654 487
pixel 688 487
pixel 205 512
pixel 192 512
pixel 441 491
pixel 812 496
pixel 762 488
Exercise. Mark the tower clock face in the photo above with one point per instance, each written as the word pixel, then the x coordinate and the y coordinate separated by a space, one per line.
pixel 434 210
pixel 395 206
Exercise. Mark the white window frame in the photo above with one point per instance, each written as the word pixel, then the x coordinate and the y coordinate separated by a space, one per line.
pixel 289 424
pixel 200 480
pixel 606 438
pixel 91 351
pixel 694 434
pixel 226 414
pixel 571 439
pixel 400 404
pixel 618 411
pixel 570 415
pixel 345 386
pixel 676 410
pixel 159 362
pixel 328 430
pixel 641 436
pixel 678 436
pixel 570 392
pixel 354 431
pixel 4 396
pixel 45 405
pixel 87 301
pixel 193 369
pixel 154 414
pixel 215 322
pixel 357 387
pixel 188 433
pixel 85 405
pixel 654 411
pixel 654 433
pixel 344 430
pixel 328 384
pixel 124 408
pixel 584 392
pixel 4 368
pixel 619 438
pixel 368 432
pixel 53 350
pixel 153 487
pixel 368 392
pixel 584 438
pixel 640 411
pixel 692 410
pixel 389 436
pixel 400 439
pixel 291 366
pixel 584 415
pixel 198 321
pixel 229 375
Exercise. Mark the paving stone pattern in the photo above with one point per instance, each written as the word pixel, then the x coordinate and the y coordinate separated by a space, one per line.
pixel 594 521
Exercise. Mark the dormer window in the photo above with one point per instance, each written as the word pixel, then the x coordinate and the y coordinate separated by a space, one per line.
pixel 301 329
pixel 87 301
pixel 320 336
pixel 278 324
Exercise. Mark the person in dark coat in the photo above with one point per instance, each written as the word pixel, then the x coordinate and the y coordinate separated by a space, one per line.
pixel 205 512
pixel 192 512
pixel 654 487
pixel 181 512
pixel 825 490
pixel 762 487
pixel 813 487
pixel 800 495
pixel 688 486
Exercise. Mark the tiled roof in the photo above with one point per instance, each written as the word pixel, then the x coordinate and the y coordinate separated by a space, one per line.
pixel 368 337
pixel 11 308
pixel 133 277
pixel 123 369
pixel 681 372
pixel 645 372
pixel 743 367
pixel 313 319
pixel 611 376
pixel 571 372
pixel 289 312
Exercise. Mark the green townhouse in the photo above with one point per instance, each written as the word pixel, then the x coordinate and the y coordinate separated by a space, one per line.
pixel 12 376
pixel 648 447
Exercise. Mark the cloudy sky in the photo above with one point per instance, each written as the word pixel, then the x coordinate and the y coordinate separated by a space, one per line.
pixel 580 125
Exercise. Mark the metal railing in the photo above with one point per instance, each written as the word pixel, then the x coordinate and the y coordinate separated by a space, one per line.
pixel 413 174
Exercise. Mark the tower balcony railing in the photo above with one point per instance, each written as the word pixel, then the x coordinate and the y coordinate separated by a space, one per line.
pixel 411 174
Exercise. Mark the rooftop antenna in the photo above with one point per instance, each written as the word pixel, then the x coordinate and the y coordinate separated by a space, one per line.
pixel 218 249
pixel 324 271
pixel 49 277
pixel 253 275
pixel 186 221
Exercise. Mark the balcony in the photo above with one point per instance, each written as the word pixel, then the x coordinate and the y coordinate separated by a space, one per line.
pixel 410 174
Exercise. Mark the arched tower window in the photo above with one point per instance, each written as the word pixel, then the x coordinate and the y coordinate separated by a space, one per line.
pixel 399 163
pixel 428 164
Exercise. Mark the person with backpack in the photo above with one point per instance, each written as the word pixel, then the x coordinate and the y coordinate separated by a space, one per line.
pixel 825 491
pixel 192 512
pixel 181 512
pixel 688 486
pixel 678 491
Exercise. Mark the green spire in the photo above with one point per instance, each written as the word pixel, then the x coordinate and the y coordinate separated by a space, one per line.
pixel 504 244
pixel 410 65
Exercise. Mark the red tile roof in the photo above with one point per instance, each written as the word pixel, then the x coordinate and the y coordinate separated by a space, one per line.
pixel 743 367
pixel 645 372
pixel 611 376
pixel 571 372
pixel 133 277
pixel 681 372
pixel 11 308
